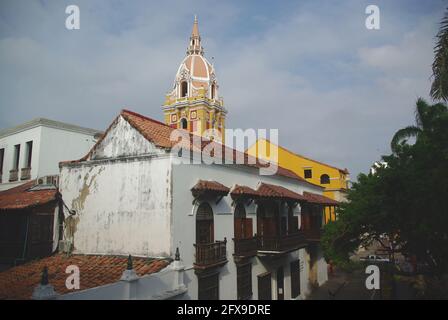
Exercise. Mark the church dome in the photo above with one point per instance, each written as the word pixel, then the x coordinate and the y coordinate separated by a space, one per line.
pixel 197 69
pixel 195 77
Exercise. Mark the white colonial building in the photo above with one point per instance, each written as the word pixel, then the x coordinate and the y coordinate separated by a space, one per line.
pixel 34 149
pixel 240 234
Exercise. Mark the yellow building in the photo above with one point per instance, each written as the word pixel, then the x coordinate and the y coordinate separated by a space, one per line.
pixel 333 179
pixel 193 103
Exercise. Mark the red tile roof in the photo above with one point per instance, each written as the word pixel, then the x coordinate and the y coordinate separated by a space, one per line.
pixel 204 185
pixel 274 191
pixel 320 199
pixel 159 134
pixel 95 270
pixel 21 197
pixel 239 190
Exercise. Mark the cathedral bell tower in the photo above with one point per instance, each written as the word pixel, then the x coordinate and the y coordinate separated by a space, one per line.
pixel 193 104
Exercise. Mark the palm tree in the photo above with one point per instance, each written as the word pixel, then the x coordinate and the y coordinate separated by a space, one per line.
pixel 425 117
pixel 439 87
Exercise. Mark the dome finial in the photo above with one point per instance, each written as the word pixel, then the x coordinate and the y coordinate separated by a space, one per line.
pixel 195 39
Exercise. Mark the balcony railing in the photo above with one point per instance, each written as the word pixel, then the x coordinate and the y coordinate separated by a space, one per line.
pixel 13 175
pixel 210 254
pixel 25 174
pixel 313 234
pixel 281 243
pixel 245 247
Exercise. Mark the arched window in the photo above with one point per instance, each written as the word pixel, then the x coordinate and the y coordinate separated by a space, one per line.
pixel 204 224
pixel 324 179
pixel 213 89
pixel 183 124
pixel 183 89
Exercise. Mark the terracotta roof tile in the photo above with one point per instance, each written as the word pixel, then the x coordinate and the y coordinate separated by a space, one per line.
pixel 21 197
pixel 239 190
pixel 204 185
pixel 19 282
pixel 274 191
pixel 320 199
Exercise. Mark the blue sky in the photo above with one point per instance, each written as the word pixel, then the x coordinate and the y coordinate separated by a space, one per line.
pixel 336 91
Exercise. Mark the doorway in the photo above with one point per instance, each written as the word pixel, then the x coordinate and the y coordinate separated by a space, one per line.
pixel 280 284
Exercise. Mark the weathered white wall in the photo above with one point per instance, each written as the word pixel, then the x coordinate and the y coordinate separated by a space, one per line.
pixel 123 140
pixel 122 202
pixel 122 206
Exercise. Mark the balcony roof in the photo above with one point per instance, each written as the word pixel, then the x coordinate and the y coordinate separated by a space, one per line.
pixel 273 191
pixel 205 186
pixel 319 199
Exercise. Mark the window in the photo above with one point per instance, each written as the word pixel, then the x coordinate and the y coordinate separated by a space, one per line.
pixel 208 287
pixel 295 278
pixel 244 281
pixel 16 157
pixel 2 156
pixel 29 153
pixel 183 89
pixel 264 286
pixel 308 173
pixel 324 179
pixel 183 123
pixel 213 91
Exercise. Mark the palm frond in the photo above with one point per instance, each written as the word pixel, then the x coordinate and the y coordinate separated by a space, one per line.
pixel 439 87
pixel 403 134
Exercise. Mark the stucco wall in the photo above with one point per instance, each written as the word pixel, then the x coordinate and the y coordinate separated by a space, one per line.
pixel 50 146
pixel 8 144
pixel 122 201
pixel 122 207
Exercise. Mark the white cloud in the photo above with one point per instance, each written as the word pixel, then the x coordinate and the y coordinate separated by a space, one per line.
pixel 336 91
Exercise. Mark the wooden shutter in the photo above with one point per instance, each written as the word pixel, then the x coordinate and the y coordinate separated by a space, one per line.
pixel 237 224
pixel 248 228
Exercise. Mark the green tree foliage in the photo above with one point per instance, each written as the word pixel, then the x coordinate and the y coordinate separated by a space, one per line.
pixel 439 88
pixel 407 200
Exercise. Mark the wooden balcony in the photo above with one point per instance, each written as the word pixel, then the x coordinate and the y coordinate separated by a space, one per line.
pixel 13 175
pixel 313 235
pixel 281 244
pixel 210 255
pixel 25 174
pixel 245 247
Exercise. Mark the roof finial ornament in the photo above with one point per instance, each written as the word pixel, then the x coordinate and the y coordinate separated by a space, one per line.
pixel 44 279
pixel 130 266
pixel 195 40
pixel 177 255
